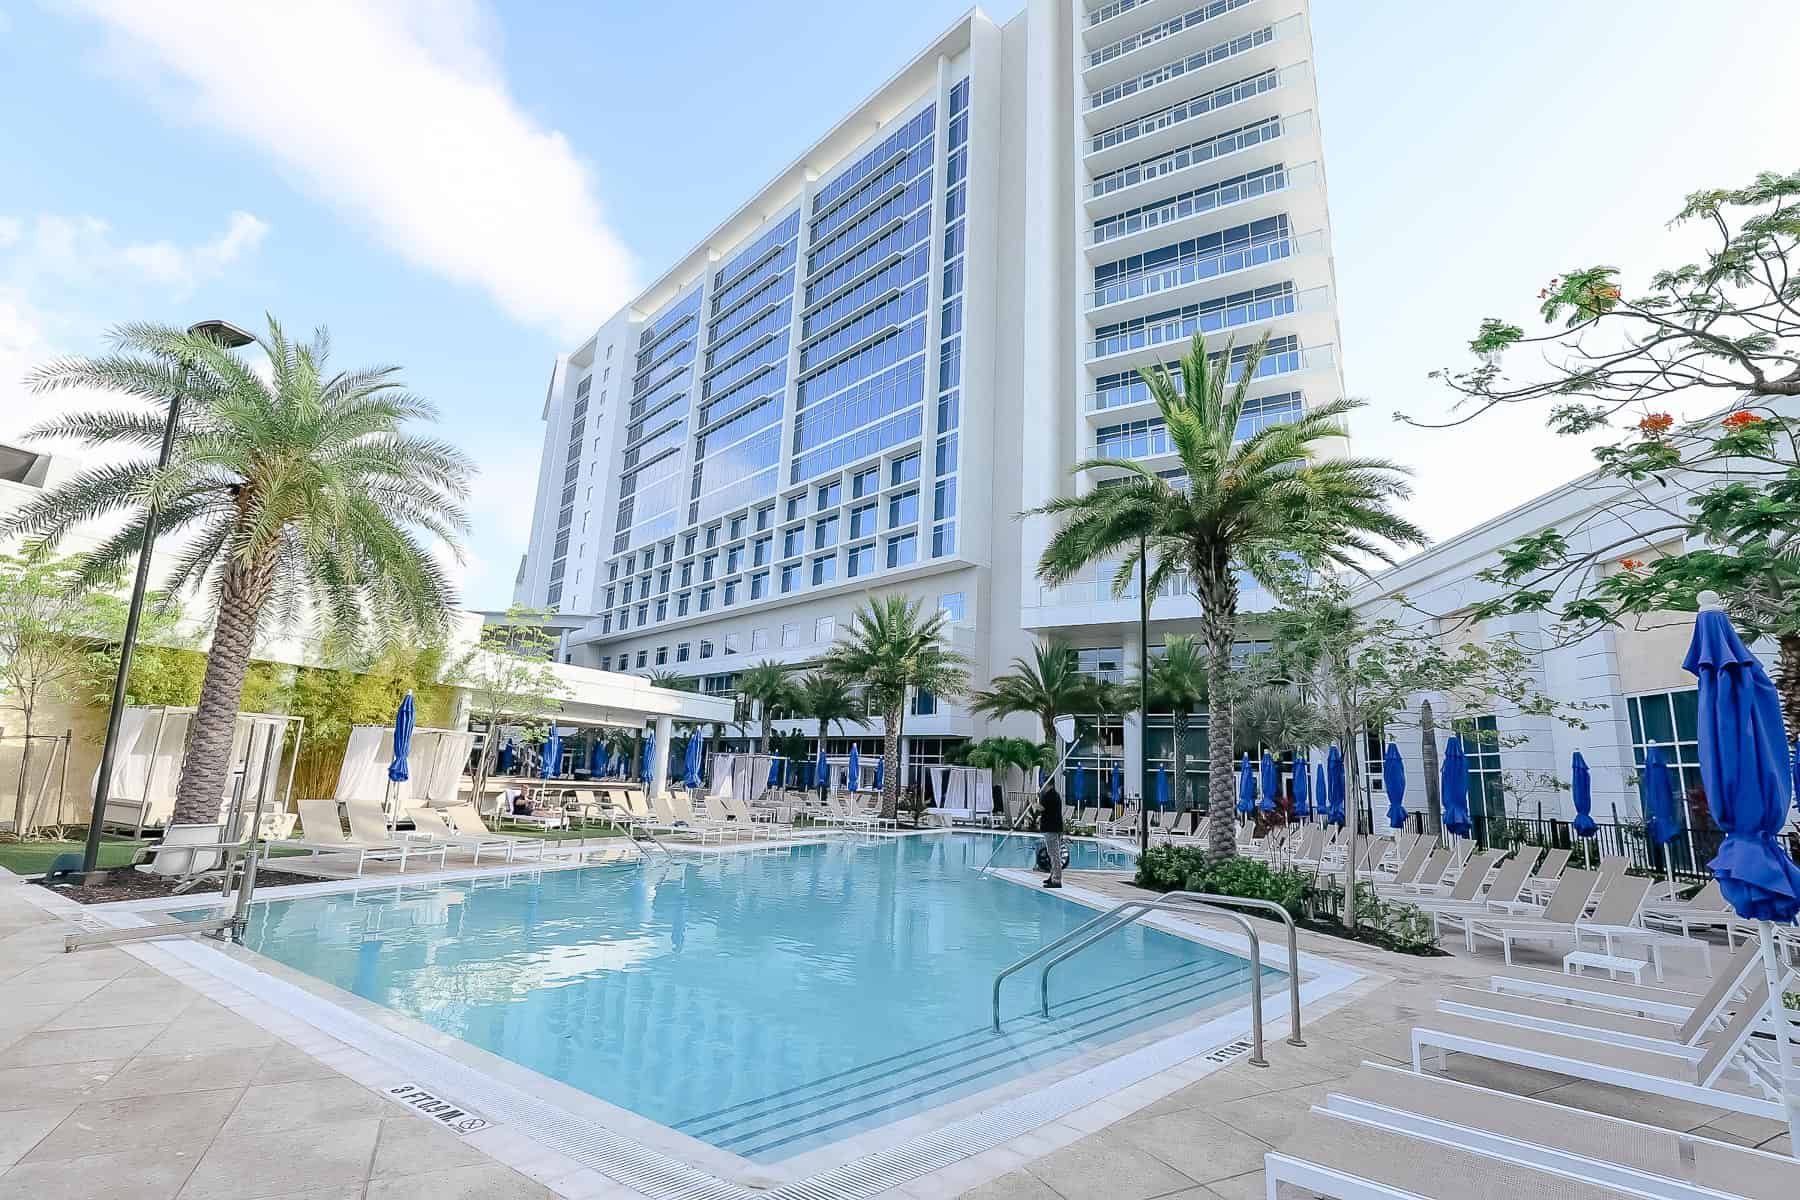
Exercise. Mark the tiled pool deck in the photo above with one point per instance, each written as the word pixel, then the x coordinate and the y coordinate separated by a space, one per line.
pixel 120 1080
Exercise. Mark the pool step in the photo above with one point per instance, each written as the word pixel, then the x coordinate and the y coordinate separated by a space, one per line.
pixel 898 1085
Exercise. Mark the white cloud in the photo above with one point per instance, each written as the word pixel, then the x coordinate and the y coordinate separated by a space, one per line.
pixel 395 114
pixel 81 251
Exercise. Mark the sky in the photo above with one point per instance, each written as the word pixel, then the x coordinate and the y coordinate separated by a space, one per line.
pixel 468 189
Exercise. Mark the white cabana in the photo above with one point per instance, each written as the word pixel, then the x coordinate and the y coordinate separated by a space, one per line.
pixel 742 776
pixel 962 793
pixel 147 766
pixel 435 765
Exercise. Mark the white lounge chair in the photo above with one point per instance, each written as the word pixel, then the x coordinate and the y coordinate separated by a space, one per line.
pixel 1616 910
pixel 1581 1145
pixel 1680 1072
pixel 466 820
pixel 433 823
pixel 322 832
pixel 1467 886
pixel 1567 905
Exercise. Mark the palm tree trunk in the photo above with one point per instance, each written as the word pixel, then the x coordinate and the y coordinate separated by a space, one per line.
pixel 1047 723
pixel 1428 754
pixel 1216 589
pixel 207 762
pixel 1179 727
pixel 1787 679
pixel 890 753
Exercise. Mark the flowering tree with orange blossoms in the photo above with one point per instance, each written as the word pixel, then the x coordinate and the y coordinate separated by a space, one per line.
pixel 1693 505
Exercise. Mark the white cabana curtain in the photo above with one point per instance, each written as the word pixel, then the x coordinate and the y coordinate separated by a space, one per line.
pixel 363 775
pixel 962 789
pixel 148 765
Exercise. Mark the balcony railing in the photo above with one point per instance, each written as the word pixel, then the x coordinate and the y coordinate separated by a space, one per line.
pixel 1285 363
pixel 1149 37
pixel 1182 329
pixel 1191 109
pixel 1111 229
pixel 1206 266
pixel 1097 588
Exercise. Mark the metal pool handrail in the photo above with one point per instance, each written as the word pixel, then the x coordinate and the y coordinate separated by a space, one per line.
pixel 1129 912
pixel 1222 905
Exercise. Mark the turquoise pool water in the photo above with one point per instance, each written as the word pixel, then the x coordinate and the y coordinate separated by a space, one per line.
pixel 765 1003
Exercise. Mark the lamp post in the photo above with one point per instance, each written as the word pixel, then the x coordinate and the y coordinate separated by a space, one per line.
pixel 230 337
pixel 1144 695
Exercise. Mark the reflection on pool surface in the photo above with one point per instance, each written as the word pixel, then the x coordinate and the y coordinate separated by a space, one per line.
pixel 766 1003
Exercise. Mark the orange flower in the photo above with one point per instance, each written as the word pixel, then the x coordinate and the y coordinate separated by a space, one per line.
pixel 1739 420
pixel 1656 424
pixel 1631 564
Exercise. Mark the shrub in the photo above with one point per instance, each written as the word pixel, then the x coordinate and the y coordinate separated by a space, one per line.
pixel 1167 868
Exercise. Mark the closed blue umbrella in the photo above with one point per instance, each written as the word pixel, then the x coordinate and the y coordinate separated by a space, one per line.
pixel 1581 789
pixel 821 770
pixel 1246 786
pixel 1747 773
pixel 1118 786
pixel 1321 793
pixel 1454 784
pixel 1162 790
pixel 855 767
pixel 1334 786
pixel 1393 782
pixel 552 754
pixel 506 756
pixel 1661 824
pixel 648 758
pixel 1302 794
pixel 1077 785
pixel 774 772
pixel 596 758
pixel 690 773
pixel 880 772
pixel 398 771
pixel 1271 780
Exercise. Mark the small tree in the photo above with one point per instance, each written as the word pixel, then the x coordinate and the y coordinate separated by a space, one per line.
pixel 893 650
pixel 510 681
pixel 767 689
pixel 47 631
pixel 825 698
pixel 1726 326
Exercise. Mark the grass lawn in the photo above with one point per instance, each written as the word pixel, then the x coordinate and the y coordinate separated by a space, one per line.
pixel 34 858
pixel 561 835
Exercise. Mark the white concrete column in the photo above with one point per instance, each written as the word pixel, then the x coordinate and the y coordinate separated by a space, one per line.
pixel 659 760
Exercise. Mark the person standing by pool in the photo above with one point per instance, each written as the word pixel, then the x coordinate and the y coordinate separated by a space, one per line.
pixel 1050 824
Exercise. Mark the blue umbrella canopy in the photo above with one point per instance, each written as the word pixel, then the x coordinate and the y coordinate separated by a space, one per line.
pixel 1581 788
pixel 1393 782
pixel 1118 785
pixel 398 771
pixel 1661 822
pixel 1302 801
pixel 552 754
pixel 1271 781
pixel 1454 783
pixel 855 767
pixel 1162 789
pixel 1246 786
pixel 1334 786
pixel 1745 768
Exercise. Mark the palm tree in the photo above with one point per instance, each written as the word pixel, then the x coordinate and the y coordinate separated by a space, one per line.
pixel 1001 753
pixel 825 698
pixel 296 493
pixel 892 649
pixel 768 686
pixel 1250 504
pixel 1279 718
pixel 1178 683
pixel 1046 685
pixel 673 681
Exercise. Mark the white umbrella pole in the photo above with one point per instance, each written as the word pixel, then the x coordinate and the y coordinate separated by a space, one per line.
pixel 1778 1018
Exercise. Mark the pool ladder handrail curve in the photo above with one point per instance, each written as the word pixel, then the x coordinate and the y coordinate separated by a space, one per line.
pixel 1222 905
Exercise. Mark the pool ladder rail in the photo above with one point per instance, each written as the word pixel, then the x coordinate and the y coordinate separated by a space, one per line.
pixel 1129 912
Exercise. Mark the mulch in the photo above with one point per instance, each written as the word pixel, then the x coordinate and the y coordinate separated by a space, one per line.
pixel 127 884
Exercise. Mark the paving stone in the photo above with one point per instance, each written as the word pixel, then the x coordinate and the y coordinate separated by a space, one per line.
pixel 1100 1169
pixel 101 1011
pixel 410 1145
pixel 1240 1187
pixel 133 1175
pixel 135 1124
pixel 1198 1144
pixel 23 1128
pixel 272 1106
pixel 1275 1117
pixel 206 1026
pixel 252 1166
pixel 490 1182
pixel 165 1074
pixel 1016 1185
pixel 69 1083
pixel 285 1063
pixel 51 1047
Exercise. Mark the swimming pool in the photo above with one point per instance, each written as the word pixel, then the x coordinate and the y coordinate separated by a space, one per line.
pixel 764 1003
